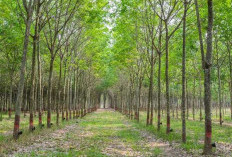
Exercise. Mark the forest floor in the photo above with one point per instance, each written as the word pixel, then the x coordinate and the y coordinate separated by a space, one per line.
pixel 109 133
pixel 103 133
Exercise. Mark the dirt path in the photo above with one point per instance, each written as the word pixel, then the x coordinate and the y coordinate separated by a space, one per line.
pixel 103 133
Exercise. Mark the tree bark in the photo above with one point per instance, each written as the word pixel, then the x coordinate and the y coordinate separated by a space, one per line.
pixel 159 75
pixel 22 70
pixel 206 65
pixel 167 78
pixel 32 85
pixel 50 93
pixel 207 72
pixel 230 82
pixel 183 75
pixel 151 83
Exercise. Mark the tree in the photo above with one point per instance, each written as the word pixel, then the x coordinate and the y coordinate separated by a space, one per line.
pixel 183 75
pixel 206 65
pixel 29 8
pixel 166 17
pixel 56 37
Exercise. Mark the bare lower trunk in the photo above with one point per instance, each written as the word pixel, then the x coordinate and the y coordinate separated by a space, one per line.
pixel 49 94
pixel 200 98
pixel 59 94
pixel 151 86
pixel 70 98
pixel 219 86
pixel 11 94
pixel 207 101
pixel 32 87
pixel 39 99
pixel 194 97
pixel 159 93
pixel 67 99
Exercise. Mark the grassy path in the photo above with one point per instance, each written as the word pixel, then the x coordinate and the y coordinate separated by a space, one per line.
pixel 103 133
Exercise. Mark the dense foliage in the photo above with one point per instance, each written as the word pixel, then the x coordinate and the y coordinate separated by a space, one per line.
pixel 62 55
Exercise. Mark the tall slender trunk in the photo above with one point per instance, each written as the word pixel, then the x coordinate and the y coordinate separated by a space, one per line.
pixel 59 93
pixel 64 96
pixel 183 75
pixel 187 98
pixel 22 73
pixel 137 104
pixel 50 92
pixel 75 93
pixel 67 98
pixel 219 95
pixel 149 101
pixel 11 95
pixel 26 102
pixel 151 84
pixel 39 99
pixel 206 65
pixel 159 93
pixel 208 126
pixel 230 82
pixel 140 89
pixel 194 97
pixel 200 98
pixel 70 98
pixel 159 75
pixel 148 108
pixel 167 78
pixel 5 100
pixel 219 85
pixel 32 85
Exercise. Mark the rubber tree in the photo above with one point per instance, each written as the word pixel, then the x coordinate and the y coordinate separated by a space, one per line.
pixel 29 9
pixel 206 65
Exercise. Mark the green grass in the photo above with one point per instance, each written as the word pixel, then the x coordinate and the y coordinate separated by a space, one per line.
pixel 157 152
pixel 128 135
pixel 91 152
pixel 101 130
pixel 7 124
pixel 195 132
pixel 104 128
pixel 215 115
pixel 7 143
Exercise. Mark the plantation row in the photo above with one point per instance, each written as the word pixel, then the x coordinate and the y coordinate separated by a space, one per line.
pixel 67 58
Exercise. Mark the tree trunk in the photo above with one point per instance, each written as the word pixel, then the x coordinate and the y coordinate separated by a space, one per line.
pixel 206 65
pixel 67 98
pixel 70 98
pixel 59 93
pixel 194 97
pixel 207 72
pixel 219 85
pixel 159 93
pixel 11 95
pixel 151 83
pixel 183 75
pixel 22 75
pixel 200 98
pixel 32 85
pixel 230 82
pixel 50 93
pixel 187 98
pixel 167 78
pixel 64 96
